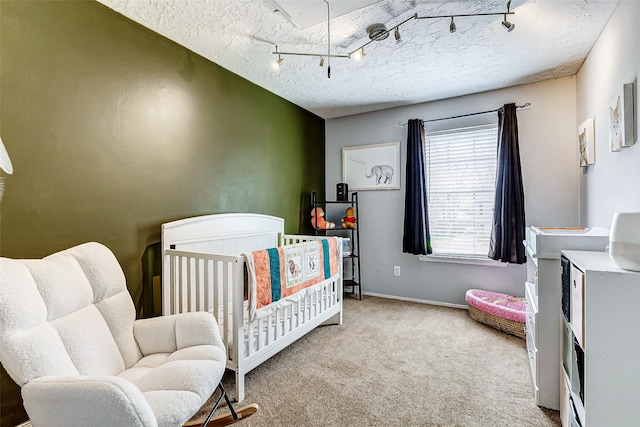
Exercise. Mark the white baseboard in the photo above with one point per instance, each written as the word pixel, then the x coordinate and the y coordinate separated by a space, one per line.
pixel 25 424
pixel 421 301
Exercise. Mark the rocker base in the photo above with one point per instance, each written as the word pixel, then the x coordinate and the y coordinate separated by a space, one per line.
pixel 227 419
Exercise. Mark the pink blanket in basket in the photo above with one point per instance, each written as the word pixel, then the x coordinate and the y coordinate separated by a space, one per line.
pixel 502 305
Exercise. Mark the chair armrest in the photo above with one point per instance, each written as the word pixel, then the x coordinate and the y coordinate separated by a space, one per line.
pixel 78 400
pixel 166 334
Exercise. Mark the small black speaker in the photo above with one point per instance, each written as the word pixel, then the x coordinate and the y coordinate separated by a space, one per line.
pixel 342 192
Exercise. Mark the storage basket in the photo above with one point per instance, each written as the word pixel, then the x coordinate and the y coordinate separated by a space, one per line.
pixel 505 325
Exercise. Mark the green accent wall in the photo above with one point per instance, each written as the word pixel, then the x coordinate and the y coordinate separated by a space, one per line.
pixel 114 130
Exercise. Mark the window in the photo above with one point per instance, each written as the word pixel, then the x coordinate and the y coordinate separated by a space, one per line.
pixel 461 173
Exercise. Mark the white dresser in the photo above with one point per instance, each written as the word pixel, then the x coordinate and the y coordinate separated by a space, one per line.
pixel 543 294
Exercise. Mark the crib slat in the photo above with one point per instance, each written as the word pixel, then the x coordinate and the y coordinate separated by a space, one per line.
pixel 288 326
pixel 206 291
pixel 191 286
pixel 225 301
pixel 181 296
pixel 237 295
pixel 199 287
pixel 216 296
pixel 171 294
pixel 269 334
pixel 252 338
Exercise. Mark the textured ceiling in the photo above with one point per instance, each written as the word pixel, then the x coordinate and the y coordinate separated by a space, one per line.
pixel 551 39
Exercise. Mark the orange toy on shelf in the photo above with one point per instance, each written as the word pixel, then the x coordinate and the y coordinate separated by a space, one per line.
pixel 318 221
pixel 349 220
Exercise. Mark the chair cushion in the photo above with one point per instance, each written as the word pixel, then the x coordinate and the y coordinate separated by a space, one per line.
pixel 178 382
pixel 119 313
pixel 190 369
pixel 172 408
pixel 89 342
pixel 34 354
pixel 101 268
pixel 61 283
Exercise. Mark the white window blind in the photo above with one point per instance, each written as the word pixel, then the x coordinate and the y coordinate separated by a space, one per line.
pixel 461 173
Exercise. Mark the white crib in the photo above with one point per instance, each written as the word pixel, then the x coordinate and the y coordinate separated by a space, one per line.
pixel 203 270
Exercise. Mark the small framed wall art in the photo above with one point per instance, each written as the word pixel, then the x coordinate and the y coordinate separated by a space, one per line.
pixel 372 167
pixel 586 143
pixel 622 119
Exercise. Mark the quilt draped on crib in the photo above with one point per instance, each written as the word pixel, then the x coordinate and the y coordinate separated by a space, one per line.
pixel 279 275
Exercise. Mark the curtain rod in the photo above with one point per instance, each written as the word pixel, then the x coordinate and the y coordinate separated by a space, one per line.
pixel 528 104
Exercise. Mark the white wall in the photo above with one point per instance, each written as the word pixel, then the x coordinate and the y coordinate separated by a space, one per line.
pixel 549 165
pixel 611 184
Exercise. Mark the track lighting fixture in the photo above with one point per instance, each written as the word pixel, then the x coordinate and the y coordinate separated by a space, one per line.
pixel 379 32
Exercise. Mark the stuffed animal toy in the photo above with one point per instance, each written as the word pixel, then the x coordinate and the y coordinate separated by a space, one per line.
pixel 349 221
pixel 318 221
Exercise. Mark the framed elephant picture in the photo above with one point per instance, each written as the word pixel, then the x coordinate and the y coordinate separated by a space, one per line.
pixel 372 167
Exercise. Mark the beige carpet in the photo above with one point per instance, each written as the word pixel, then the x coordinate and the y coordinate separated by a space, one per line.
pixel 396 363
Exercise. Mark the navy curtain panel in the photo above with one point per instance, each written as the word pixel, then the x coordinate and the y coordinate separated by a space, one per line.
pixel 416 239
pixel 508 228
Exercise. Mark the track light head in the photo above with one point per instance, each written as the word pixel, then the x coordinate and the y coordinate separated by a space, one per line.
pixel 396 34
pixel 359 54
pixel 508 25
pixel 322 61
pixel 276 64
pixel 452 26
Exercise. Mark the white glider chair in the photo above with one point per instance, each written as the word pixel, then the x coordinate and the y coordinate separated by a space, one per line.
pixel 69 339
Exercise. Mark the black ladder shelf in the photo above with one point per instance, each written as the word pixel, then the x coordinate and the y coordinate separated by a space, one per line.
pixel 351 262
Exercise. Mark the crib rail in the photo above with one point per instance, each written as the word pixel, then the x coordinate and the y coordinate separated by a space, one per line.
pixel 292 239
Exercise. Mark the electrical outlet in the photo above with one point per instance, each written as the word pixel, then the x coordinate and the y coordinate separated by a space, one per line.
pixel 396 270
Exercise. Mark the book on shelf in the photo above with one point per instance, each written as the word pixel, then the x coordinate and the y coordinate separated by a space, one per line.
pixel 346 246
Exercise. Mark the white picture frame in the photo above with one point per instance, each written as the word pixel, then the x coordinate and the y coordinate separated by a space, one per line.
pixel 622 119
pixel 372 167
pixel 586 143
